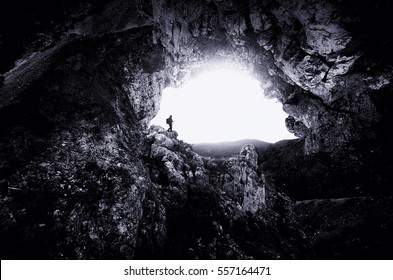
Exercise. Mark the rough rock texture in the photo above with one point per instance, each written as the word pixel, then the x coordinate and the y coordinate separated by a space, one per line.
pixel 80 81
pixel 254 187
pixel 314 56
pixel 214 208
pixel 348 231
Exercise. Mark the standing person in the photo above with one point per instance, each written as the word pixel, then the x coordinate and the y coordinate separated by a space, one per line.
pixel 169 121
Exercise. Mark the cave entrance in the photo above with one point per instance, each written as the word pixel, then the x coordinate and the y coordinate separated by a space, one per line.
pixel 222 104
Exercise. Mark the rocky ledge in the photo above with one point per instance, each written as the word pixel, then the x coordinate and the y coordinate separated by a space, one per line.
pixel 83 177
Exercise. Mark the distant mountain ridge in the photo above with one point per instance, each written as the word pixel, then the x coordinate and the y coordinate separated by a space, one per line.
pixel 227 148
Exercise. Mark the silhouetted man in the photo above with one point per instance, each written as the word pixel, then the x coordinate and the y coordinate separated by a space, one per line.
pixel 169 121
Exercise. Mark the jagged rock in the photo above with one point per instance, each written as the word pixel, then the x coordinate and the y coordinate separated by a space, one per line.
pixel 249 156
pixel 243 183
pixel 162 137
pixel 254 188
pixel 163 149
pixel 232 187
pixel 82 82
pixel 316 60
pixel 171 134
pixel 295 127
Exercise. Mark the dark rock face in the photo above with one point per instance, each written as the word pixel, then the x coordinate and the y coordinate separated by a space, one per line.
pixel 82 177
pixel 348 231
pixel 201 208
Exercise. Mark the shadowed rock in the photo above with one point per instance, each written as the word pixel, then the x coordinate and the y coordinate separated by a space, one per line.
pixel 81 176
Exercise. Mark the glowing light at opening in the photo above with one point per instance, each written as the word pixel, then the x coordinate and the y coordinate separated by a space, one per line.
pixel 222 105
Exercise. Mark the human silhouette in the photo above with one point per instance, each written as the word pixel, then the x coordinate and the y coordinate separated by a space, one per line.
pixel 169 121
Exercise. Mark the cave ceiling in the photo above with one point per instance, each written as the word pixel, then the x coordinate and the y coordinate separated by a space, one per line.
pixel 322 59
pixel 83 176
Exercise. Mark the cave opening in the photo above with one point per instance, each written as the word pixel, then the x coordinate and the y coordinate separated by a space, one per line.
pixel 222 103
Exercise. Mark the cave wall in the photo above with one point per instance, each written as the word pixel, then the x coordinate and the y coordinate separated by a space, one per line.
pixel 317 57
pixel 307 54
pixel 73 141
pixel 77 95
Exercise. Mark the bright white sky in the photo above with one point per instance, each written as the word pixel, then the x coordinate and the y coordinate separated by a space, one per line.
pixel 222 105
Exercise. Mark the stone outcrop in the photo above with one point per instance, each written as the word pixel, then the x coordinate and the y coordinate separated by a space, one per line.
pixel 254 191
pixel 178 169
pixel 246 178
pixel 206 207
pixel 162 149
pixel 80 83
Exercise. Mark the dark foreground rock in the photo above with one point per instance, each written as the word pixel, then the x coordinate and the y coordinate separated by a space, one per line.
pixel 214 209
pixel 172 204
pixel 348 228
pixel 82 176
